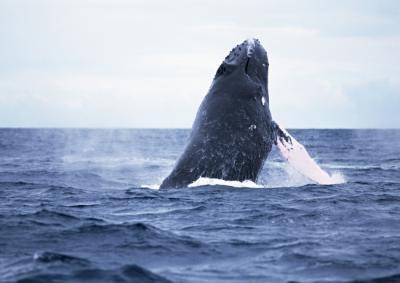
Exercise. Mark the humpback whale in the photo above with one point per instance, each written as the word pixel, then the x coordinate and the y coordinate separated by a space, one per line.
pixel 233 131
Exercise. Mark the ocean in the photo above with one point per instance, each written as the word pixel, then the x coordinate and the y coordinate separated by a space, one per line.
pixel 82 205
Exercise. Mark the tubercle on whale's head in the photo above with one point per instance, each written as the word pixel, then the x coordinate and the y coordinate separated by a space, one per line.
pixel 248 60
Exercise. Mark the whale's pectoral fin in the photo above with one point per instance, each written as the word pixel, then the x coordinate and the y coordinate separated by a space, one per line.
pixel 298 157
pixel 281 134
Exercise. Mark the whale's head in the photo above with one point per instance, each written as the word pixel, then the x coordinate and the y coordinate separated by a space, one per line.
pixel 246 64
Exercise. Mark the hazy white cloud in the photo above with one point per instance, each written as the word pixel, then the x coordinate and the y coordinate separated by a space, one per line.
pixel 150 63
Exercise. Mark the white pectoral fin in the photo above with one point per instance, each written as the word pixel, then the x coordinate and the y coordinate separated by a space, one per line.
pixel 298 157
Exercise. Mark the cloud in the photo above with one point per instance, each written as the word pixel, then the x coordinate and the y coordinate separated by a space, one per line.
pixel 374 104
pixel 149 64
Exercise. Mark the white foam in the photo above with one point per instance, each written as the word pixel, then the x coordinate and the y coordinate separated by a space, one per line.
pixel 263 100
pixel 338 178
pixel 293 178
pixel 214 182
pixel 151 187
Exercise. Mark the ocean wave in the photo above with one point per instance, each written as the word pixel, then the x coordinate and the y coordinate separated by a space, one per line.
pixel 140 193
pixel 383 166
pixel 46 214
pixel 132 235
pixel 160 211
pixel 66 178
pixel 46 217
pixel 116 161
pixel 22 186
pixel 85 218
pixel 127 273
pixel 137 229
pixel 83 204
pixel 394 278
pixel 17 183
pixel 51 257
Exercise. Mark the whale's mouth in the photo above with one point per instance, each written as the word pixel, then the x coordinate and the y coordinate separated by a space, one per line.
pixel 246 67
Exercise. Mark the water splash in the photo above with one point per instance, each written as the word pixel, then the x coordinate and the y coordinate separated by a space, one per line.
pixel 219 182
pixel 151 187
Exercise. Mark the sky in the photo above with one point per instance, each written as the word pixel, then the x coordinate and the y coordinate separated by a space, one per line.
pixel 148 64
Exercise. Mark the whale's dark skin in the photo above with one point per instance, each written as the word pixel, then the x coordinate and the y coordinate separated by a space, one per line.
pixel 233 132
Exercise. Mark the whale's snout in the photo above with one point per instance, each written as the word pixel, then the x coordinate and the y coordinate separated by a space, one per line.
pixel 246 66
pixel 237 56
pixel 252 45
pixel 241 52
pixel 248 58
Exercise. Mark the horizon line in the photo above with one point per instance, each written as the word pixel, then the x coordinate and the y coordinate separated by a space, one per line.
pixel 178 128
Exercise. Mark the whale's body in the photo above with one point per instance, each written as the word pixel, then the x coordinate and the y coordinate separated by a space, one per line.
pixel 233 132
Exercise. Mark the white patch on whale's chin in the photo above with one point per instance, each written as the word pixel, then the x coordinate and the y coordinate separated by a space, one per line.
pixel 263 100
pixel 251 44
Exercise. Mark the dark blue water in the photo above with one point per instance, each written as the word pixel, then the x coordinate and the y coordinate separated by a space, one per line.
pixel 73 209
